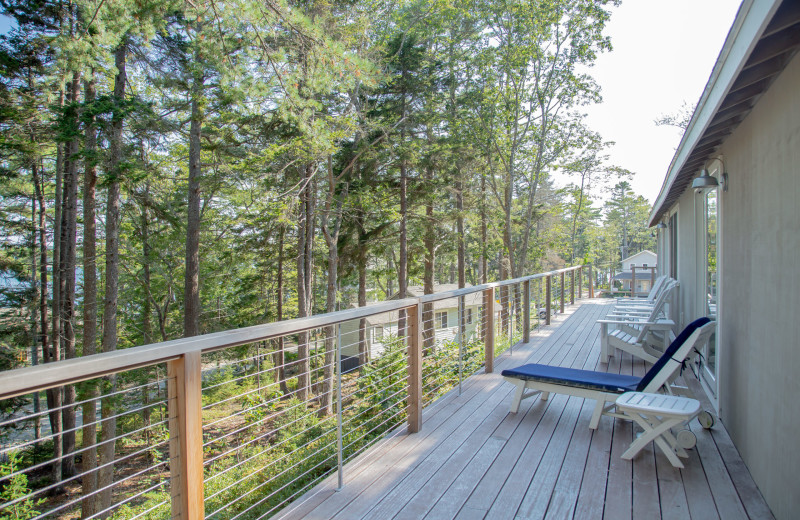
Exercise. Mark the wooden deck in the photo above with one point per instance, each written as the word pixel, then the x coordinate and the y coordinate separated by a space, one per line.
pixel 473 459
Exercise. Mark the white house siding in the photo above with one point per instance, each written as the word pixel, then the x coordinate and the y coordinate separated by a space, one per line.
pixel 759 336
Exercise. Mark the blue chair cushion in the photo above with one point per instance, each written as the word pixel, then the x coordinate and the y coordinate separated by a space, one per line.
pixel 573 377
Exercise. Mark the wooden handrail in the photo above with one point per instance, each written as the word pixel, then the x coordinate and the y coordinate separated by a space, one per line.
pixel 27 380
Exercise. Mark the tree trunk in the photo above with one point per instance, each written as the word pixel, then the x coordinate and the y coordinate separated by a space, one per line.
pixel 54 395
pixel 68 236
pixel 363 347
pixel 429 241
pixel 38 317
pixel 460 232
pixel 484 260
pixel 305 251
pixel 191 291
pixel 109 340
pixel 280 360
pixel 147 327
pixel 402 268
pixel 89 453
pixel 331 227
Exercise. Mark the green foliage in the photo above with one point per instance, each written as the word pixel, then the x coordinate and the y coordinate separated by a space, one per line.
pixel 478 103
pixel 16 489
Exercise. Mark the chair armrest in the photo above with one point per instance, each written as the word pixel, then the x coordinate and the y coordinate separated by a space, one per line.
pixel 658 325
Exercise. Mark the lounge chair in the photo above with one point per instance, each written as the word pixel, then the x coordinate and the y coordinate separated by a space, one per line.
pixel 642 335
pixel 651 296
pixel 668 289
pixel 533 379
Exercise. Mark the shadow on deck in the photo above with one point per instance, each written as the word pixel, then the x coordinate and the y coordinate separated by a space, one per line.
pixel 474 459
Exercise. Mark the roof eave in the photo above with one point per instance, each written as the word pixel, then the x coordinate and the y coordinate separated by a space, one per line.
pixel 750 22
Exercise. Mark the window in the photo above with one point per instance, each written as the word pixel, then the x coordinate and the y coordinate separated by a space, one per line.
pixel 469 317
pixel 441 320
pixel 708 297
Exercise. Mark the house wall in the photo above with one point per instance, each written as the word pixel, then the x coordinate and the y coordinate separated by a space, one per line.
pixel 349 331
pixel 639 260
pixel 761 291
pixel 759 331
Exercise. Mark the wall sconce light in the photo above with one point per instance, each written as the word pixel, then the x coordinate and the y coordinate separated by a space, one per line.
pixel 704 181
pixel 707 181
pixel 661 226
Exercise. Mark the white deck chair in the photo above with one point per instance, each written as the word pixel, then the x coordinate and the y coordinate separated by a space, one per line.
pixel 642 335
pixel 644 306
pixel 658 308
pixel 534 379
pixel 651 296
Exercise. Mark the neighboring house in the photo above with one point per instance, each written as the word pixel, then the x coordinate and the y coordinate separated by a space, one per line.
pixel 644 262
pixel 445 321
pixel 732 246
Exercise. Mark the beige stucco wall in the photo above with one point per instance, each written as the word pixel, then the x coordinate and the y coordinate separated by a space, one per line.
pixel 760 289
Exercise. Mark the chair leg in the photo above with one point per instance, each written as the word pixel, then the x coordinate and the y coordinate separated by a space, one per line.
pixel 656 430
pixel 518 396
pixel 597 413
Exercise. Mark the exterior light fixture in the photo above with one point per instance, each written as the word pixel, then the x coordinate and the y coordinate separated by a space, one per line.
pixel 661 226
pixel 704 181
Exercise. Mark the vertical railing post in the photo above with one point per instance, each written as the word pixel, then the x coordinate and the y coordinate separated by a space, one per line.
pixel 652 277
pixel 510 330
pixel 580 283
pixel 526 311
pixel 633 281
pixel 414 412
pixel 548 297
pixel 591 282
pixel 562 292
pixel 339 439
pixel 488 329
pixel 184 389
pixel 460 342
pixel 572 287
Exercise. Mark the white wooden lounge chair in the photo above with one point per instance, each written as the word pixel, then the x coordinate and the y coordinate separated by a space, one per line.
pixel 535 379
pixel 651 296
pixel 644 334
pixel 669 287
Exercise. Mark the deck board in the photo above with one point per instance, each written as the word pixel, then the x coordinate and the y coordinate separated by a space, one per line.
pixel 474 460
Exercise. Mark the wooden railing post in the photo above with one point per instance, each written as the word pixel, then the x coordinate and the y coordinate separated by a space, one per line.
pixel 186 436
pixel 580 283
pixel 548 297
pixel 652 277
pixel 488 329
pixel 572 287
pixel 591 282
pixel 633 281
pixel 526 311
pixel 562 292
pixel 414 411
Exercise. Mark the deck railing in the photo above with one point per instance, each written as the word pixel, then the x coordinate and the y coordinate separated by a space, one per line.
pixel 237 424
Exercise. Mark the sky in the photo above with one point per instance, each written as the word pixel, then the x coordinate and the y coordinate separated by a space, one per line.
pixel 663 53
